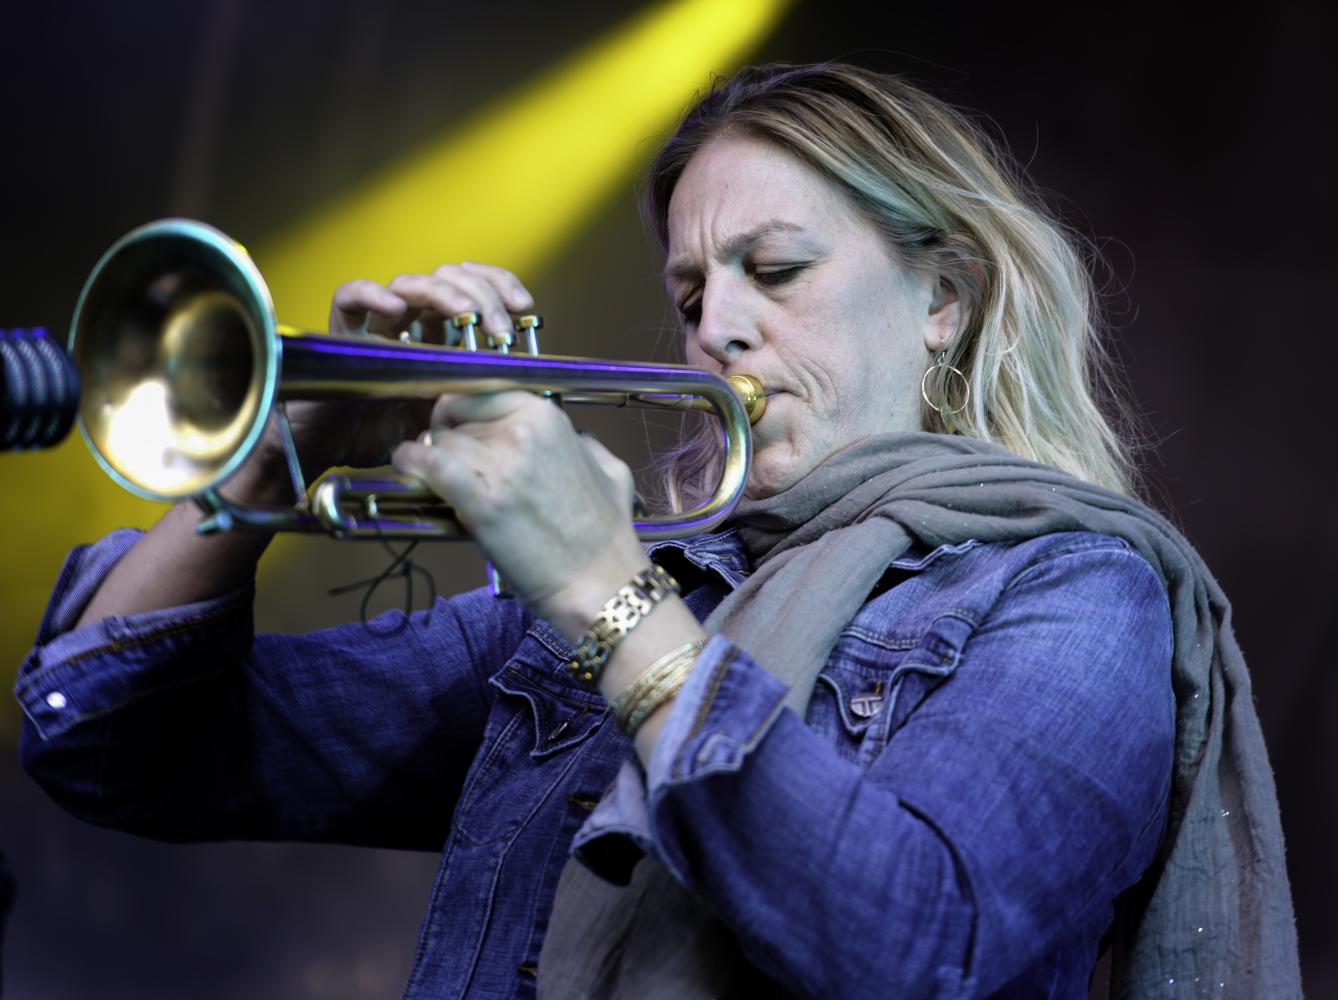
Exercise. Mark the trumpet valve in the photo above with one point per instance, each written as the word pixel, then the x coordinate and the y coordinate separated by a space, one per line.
pixel 529 325
pixel 465 325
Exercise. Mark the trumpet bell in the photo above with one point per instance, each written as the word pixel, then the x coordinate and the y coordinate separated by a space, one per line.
pixel 175 338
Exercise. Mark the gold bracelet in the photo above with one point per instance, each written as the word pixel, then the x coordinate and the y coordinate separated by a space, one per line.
pixel 654 686
pixel 671 682
pixel 623 705
pixel 620 614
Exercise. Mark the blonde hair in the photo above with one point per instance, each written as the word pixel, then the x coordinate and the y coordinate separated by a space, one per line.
pixel 948 199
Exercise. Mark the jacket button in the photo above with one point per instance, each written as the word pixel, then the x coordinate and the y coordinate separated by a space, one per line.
pixel 866 705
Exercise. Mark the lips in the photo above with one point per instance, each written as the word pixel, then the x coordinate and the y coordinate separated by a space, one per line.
pixel 771 395
pixel 768 387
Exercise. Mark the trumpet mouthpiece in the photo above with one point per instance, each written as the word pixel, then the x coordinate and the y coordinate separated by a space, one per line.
pixel 752 393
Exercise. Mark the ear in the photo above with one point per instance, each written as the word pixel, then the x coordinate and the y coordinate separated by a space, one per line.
pixel 950 304
pixel 946 316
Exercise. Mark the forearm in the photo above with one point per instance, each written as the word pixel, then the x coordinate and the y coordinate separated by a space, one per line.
pixel 172 565
pixel 107 705
pixel 669 625
pixel 668 628
pixel 183 724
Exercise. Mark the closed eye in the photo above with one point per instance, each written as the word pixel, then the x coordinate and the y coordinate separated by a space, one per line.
pixel 768 276
pixel 774 276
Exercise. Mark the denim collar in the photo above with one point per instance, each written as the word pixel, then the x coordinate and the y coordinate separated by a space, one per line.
pixel 723 554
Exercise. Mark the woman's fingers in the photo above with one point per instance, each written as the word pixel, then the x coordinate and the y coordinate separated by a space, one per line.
pixel 453 465
pixel 476 294
pixel 492 292
pixel 544 505
pixel 512 292
pixel 612 466
pixel 455 288
pixel 355 302
pixel 423 303
pixel 457 408
pixel 505 425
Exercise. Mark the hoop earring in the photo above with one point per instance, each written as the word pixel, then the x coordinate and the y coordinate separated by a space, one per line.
pixel 940 365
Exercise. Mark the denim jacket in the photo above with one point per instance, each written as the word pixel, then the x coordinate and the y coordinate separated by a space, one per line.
pixel 984 766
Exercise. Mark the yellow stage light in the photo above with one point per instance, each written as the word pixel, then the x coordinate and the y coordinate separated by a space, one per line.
pixel 509 186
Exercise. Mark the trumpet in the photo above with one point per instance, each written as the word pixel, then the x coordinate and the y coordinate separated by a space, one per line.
pixel 182 363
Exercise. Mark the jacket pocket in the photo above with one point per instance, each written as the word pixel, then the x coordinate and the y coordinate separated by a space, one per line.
pixel 872 683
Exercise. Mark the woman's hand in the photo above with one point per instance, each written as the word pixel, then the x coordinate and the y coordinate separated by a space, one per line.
pixel 363 433
pixel 551 510
pixel 430 300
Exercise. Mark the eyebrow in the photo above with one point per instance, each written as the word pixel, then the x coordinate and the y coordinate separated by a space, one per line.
pixel 733 247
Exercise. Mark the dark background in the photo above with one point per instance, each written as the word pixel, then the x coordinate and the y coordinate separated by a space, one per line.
pixel 1195 150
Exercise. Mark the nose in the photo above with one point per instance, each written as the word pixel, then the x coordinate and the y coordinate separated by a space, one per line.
pixel 727 327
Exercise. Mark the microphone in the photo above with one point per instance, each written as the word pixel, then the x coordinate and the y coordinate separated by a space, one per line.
pixel 39 390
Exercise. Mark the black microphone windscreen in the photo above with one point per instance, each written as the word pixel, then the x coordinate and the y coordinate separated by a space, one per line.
pixel 39 390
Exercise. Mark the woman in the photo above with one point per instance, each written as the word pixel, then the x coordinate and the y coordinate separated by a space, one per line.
pixel 936 714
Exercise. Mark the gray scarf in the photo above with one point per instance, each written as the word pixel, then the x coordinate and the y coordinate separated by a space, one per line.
pixel 818 550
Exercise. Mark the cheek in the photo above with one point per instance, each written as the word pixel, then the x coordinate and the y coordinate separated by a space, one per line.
pixel 695 357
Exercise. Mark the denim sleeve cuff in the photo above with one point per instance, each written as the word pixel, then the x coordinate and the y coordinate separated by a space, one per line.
pixel 66 678
pixel 616 834
pixel 723 711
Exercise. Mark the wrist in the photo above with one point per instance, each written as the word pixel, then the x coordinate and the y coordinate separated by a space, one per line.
pixel 573 607
pixel 262 480
pixel 618 617
pixel 672 625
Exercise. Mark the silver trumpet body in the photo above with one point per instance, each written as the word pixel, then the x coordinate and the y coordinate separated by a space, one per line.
pixel 183 362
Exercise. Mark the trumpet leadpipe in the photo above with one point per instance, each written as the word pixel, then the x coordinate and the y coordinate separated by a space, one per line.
pixel 749 389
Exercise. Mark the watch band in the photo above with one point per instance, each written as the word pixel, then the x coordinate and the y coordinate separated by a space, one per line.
pixel 620 614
